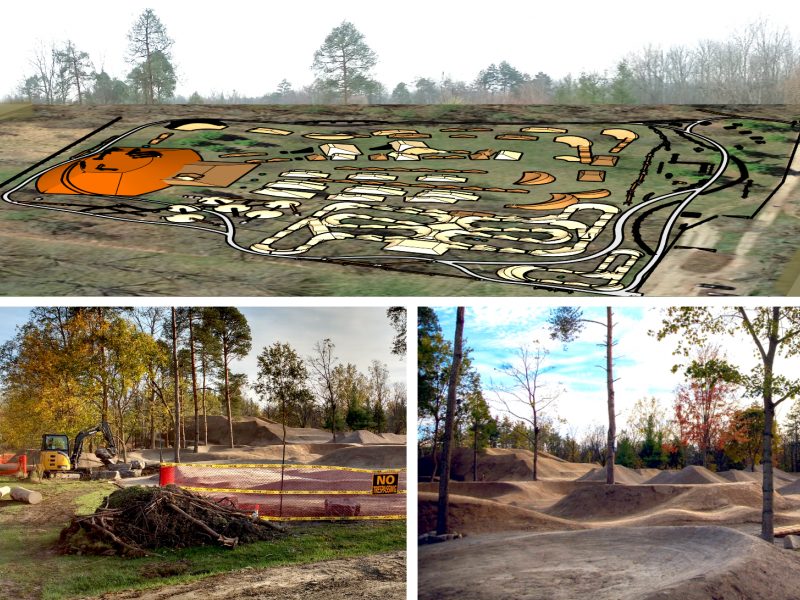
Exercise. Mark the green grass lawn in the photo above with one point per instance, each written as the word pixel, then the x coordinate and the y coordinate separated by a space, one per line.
pixel 32 570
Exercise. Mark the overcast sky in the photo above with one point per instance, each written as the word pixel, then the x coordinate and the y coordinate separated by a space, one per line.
pixel 642 363
pixel 359 334
pixel 251 45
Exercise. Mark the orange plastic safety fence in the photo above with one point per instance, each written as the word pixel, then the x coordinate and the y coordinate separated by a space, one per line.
pixel 304 492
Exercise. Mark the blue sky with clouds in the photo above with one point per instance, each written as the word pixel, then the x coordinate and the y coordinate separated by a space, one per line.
pixel 359 334
pixel 642 363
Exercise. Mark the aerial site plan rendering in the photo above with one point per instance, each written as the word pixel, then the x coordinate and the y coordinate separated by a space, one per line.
pixel 441 200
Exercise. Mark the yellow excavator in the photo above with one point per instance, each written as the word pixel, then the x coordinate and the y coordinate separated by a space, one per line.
pixel 57 458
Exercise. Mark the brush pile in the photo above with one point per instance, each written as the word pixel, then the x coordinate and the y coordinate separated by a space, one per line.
pixel 137 520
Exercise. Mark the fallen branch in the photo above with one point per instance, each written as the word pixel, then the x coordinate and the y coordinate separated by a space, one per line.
pixel 116 540
pixel 225 541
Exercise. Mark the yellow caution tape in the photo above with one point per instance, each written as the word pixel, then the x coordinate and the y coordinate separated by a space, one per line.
pixel 285 466
pixel 237 491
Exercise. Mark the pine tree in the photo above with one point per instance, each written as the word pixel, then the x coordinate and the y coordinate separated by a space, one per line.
pixel 342 57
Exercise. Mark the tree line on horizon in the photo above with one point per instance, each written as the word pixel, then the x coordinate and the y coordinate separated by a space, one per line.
pixel 758 65
pixel 68 368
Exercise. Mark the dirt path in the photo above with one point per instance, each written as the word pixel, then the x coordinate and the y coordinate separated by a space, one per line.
pixel 670 279
pixel 668 563
pixel 373 576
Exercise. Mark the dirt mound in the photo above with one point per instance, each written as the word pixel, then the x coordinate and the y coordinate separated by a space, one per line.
pixel 365 457
pixel 667 563
pixel 501 464
pixel 777 474
pixel 687 475
pixel 606 502
pixel 474 516
pixel 622 475
pixel 531 495
pixel 648 473
pixel 298 454
pixel 252 431
pixel 740 476
pixel 362 436
pixel 790 489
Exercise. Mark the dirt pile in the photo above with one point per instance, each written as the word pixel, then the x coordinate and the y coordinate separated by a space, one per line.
pixel 295 454
pixel 139 519
pixel 364 437
pixel 252 431
pixel 477 516
pixel 606 502
pixel 365 457
pixel 664 563
pixel 790 489
pixel 622 475
pixel 740 476
pixel 500 464
pixel 777 474
pixel 687 475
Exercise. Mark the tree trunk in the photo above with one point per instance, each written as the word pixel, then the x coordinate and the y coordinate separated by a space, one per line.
pixel 194 383
pixel 535 451
pixel 447 449
pixel 227 391
pixel 177 457
pixel 104 416
pixel 767 486
pixel 475 455
pixel 205 417
pixel 333 420
pixel 344 78
pixel 612 424
pixel 152 419
pixel 435 444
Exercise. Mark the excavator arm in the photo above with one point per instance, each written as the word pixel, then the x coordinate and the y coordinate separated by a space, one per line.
pixel 78 445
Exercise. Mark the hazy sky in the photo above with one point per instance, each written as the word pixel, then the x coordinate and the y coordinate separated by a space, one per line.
pixel 642 363
pixel 359 334
pixel 251 45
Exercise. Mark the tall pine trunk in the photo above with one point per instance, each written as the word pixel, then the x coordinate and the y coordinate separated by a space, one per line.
pixel 447 449
pixel 612 423
pixel 435 446
pixel 194 383
pixel 177 454
pixel 227 391
pixel 475 455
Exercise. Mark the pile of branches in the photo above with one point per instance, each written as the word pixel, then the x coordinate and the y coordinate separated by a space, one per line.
pixel 137 520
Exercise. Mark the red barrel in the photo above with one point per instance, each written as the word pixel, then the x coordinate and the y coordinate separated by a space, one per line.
pixel 166 475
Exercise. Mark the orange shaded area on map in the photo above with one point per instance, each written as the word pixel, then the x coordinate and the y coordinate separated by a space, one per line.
pixel 117 172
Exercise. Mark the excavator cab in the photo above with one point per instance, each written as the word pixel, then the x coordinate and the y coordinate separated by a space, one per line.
pixel 57 457
pixel 55 452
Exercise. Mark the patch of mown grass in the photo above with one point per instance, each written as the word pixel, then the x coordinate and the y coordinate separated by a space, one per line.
pixel 31 563
pixel 70 576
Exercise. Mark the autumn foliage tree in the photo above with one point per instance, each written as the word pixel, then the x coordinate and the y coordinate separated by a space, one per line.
pixel 704 407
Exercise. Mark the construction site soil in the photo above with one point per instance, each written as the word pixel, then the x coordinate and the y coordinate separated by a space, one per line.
pixel 372 576
pixel 688 533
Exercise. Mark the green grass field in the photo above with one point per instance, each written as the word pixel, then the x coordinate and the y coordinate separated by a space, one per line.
pixel 30 569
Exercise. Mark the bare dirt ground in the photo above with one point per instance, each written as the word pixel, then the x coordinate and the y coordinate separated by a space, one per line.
pixel 674 280
pixel 373 576
pixel 668 563
pixel 685 534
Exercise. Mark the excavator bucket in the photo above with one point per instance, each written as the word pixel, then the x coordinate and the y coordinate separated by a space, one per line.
pixel 107 457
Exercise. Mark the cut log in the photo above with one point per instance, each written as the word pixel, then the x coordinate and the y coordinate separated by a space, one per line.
pixel 22 495
pixel 4 490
